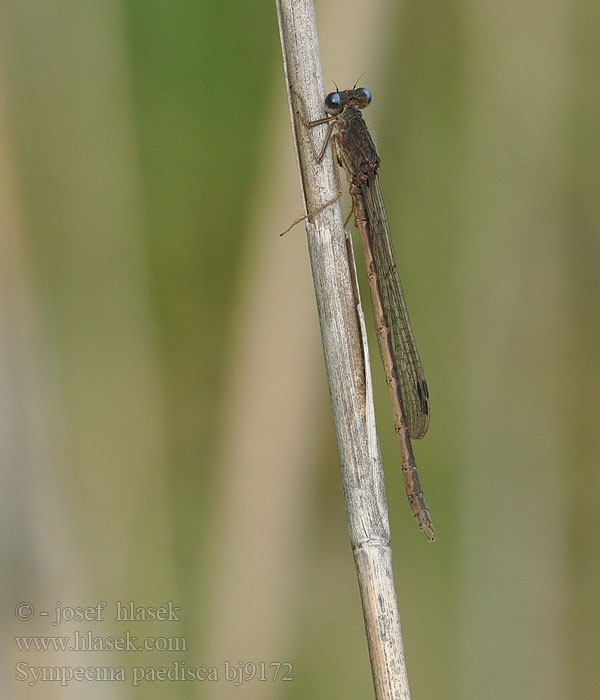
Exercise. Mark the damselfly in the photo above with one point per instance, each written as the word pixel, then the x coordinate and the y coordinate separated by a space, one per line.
pixel 356 153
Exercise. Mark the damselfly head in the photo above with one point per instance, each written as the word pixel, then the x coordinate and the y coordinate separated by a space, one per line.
pixel 336 101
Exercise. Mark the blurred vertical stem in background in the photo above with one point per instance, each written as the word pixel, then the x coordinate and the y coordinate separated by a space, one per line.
pixel 580 409
pixel 529 241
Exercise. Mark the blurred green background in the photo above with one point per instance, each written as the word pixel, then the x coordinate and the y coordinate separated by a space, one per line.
pixel 166 431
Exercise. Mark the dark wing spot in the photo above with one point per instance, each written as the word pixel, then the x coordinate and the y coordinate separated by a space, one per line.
pixel 423 396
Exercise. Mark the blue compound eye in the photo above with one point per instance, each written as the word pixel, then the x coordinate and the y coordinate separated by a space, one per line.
pixel 333 103
pixel 362 97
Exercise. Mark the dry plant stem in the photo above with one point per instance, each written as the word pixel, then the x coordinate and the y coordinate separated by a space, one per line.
pixel 346 357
